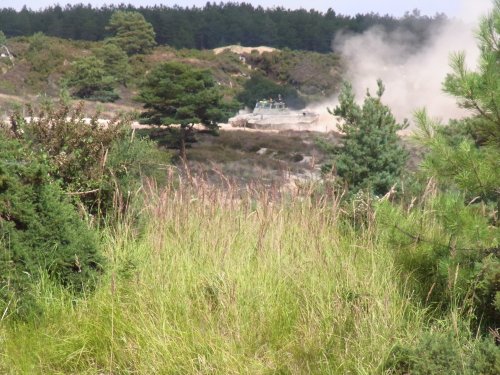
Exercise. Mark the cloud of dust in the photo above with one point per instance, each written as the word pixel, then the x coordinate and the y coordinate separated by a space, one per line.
pixel 413 79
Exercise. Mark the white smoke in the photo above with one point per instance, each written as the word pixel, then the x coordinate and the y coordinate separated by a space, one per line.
pixel 472 10
pixel 412 79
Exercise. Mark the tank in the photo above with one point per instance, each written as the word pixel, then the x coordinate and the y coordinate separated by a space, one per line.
pixel 274 114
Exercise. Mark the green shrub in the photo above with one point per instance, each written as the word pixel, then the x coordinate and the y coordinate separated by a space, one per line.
pixel 91 161
pixel 455 161
pixel 487 287
pixel 442 353
pixel 40 231
pixel 450 251
pixel 259 87
pixel 315 75
pixel 485 359
pixel 433 354
pixel 130 160
pixel 89 79
pixel 115 61
pixel 45 55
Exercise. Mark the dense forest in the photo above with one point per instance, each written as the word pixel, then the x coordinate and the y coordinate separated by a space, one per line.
pixel 215 25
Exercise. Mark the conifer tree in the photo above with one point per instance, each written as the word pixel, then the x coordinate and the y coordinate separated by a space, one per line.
pixel 89 80
pixel 371 155
pixel 479 91
pixel 176 94
pixel 115 61
pixel 470 164
pixel 132 32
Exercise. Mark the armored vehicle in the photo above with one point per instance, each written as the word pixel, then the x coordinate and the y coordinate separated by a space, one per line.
pixel 274 114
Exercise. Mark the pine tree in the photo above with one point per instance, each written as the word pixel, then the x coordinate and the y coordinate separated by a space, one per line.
pixel 463 158
pixel 371 155
pixel 89 80
pixel 468 161
pixel 132 33
pixel 479 91
pixel 174 93
pixel 115 61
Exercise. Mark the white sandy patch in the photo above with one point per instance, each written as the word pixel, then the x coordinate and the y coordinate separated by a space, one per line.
pixel 241 50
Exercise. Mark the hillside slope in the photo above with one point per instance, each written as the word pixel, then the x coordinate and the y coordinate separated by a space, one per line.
pixel 42 64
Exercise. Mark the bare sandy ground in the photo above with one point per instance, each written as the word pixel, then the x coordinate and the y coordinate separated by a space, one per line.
pixel 326 123
pixel 240 50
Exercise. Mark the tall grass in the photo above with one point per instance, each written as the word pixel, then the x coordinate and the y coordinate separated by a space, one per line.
pixel 224 282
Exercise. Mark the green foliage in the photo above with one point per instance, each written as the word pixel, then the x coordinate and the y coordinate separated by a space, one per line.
pixel 91 161
pixel 115 62
pixel 3 38
pixel 313 74
pixel 259 87
pixel 455 159
pixel 220 24
pixel 175 93
pixel 89 79
pixel 323 295
pixel 240 286
pixel 132 33
pixel 485 359
pixel 442 353
pixel 434 354
pixel 40 231
pixel 450 252
pixel 456 162
pixel 44 55
pixel 479 91
pixel 130 160
pixel 371 155
pixel 487 286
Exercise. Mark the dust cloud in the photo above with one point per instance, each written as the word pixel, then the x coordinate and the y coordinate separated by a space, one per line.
pixel 413 79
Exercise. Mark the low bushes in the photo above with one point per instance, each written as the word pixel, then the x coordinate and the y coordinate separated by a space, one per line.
pixel 444 353
pixel 40 232
pixel 450 252
pixel 91 160
pixel 259 87
pixel 51 164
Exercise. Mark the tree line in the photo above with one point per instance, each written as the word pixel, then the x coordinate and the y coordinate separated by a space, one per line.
pixel 215 25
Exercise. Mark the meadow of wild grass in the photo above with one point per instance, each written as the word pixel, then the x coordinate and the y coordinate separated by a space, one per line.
pixel 113 261
pixel 204 279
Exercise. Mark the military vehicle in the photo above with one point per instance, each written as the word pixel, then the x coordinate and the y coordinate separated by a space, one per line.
pixel 274 114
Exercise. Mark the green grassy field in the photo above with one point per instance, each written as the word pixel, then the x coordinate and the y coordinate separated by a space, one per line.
pixel 215 281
